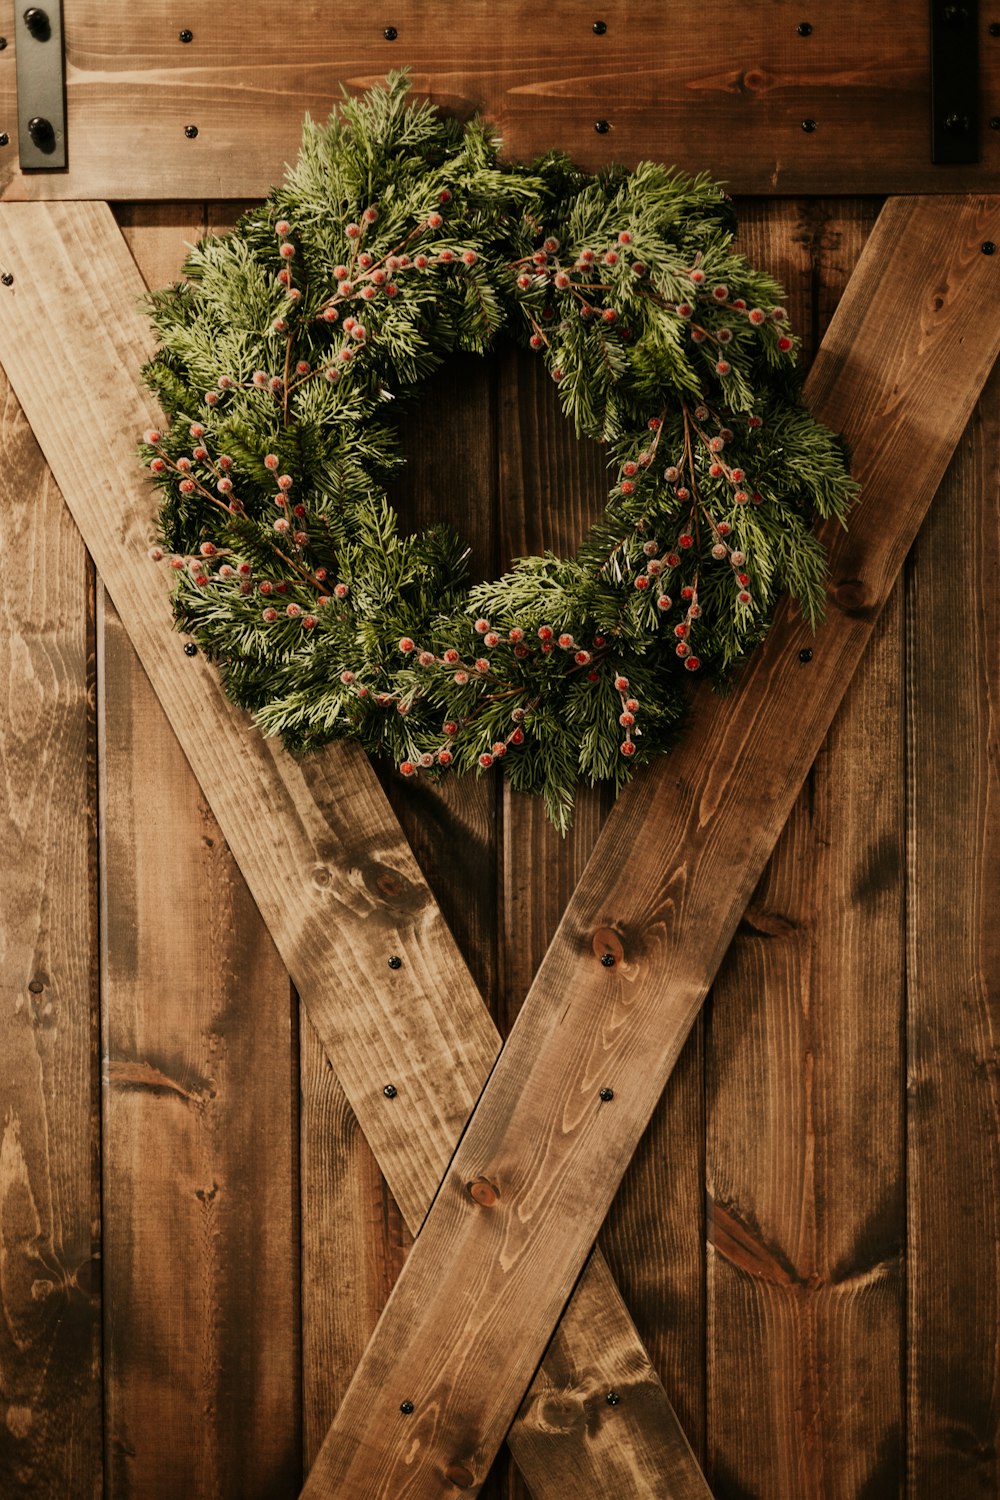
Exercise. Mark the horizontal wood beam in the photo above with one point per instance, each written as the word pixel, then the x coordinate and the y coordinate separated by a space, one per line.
pixel 734 89
pixel 318 845
pixel 899 372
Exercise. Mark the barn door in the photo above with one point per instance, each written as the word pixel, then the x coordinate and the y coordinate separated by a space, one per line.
pixel 251 1156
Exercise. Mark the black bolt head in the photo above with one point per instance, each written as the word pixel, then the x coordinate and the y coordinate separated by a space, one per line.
pixel 190 131
pixel 809 125
pixel 38 24
pixel 600 27
pixel 995 122
pixel 185 35
pixel 957 124
pixel 956 15
pixel 805 654
pixel 4 138
pixel 390 1091
pixel 995 28
pixel 804 28
pixel 606 1095
pixel 390 33
pixel 988 247
pixel 406 1407
pixel 190 649
pixel 7 279
pixel 608 960
pixel 395 962
pixel 613 1398
pixel 602 127
pixel 3 43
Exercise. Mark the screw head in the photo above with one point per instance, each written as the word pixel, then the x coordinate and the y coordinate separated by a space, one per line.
pixel 600 27
pixel 804 28
pixel 185 35
pixel 809 125
pixel 4 138
pixel 956 15
pixel 988 247
pixel 406 1407
pixel 3 43
pixel 390 1091
pixel 613 1398
pixel 602 127
pixel 190 131
pixel 995 28
pixel 190 649
pixel 995 122
pixel 608 960
pixel 606 1095
pixel 390 33
pixel 957 124
pixel 395 962
pixel 7 279
pixel 805 654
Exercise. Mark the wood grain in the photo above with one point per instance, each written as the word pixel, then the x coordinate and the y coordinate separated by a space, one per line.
pixel 904 360
pixel 953 958
pixel 806 1199
pixel 724 88
pixel 339 889
pixel 50 1367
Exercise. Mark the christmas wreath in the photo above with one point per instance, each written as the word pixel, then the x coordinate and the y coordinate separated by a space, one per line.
pixel 398 238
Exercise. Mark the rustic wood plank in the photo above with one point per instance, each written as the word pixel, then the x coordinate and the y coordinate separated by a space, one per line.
pixel 724 88
pixel 357 890
pixel 906 356
pixel 200 1133
pixel 50 1367
pixel 806 1197
pixel 953 958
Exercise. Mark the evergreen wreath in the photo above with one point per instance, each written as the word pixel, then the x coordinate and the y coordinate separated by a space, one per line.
pixel 398 238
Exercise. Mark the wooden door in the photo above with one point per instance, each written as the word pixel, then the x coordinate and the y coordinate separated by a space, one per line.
pixel 805 1238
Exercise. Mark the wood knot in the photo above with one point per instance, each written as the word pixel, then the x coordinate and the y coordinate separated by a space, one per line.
pixel 607 945
pixel 485 1193
pixel 851 595
pixel 460 1475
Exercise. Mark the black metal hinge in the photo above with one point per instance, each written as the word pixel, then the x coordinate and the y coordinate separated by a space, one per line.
pixel 954 83
pixel 41 97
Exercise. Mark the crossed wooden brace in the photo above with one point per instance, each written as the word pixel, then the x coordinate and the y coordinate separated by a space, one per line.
pixel 494 1272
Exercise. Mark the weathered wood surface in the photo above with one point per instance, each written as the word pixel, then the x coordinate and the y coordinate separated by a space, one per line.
pixel 50 1393
pixel 804 1102
pixel 953 960
pixel 200 1131
pixel 724 87
pixel 905 358
pixel 357 889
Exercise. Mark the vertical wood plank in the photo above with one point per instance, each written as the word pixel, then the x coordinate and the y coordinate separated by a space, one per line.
pixel 953 1023
pixel 804 1144
pixel 50 1395
pixel 200 1117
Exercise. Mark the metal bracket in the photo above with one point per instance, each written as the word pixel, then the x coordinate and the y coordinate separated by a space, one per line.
pixel 41 100
pixel 954 83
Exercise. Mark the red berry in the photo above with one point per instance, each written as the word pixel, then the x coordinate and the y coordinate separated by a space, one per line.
pixel 664 602
pixel 347 678
pixel 627 487
pixel 723 367
pixel 566 641
pixel 685 540
pixel 621 684
pixel 444 757
pixel 628 748
pixel 582 658
pixel 632 705
pixel 485 760
pixel 499 749
pixel 692 664
pixel 626 720
pixel 270 614
pixel 482 626
pixel 517 738
pixel 683 649
pixel 451 728
pixel 642 582
pixel 680 631
pixel 451 656
pixel 407 767
pixel 406 644
pixel 785 343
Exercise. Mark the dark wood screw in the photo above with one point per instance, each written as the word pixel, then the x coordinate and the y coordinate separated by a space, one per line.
pixel 988 247
pixel 4 138
pixel 395 962
pixel 390 1091
pixel 809 126
pixel 956 15
pixel 804 28
pixel 600 27
pixel 390 33
pixel 406 1407
pixel 613 1398
pixel 995 28
pixel 805 654
pixel 38 24
pixel 190 131
pixel 608 960
pixel 7 279
pixel 957 124
pixel 190 649
pixel 606 1095
pixel 602 127
pixel 995 122
pixel 3 43
pixel 185 35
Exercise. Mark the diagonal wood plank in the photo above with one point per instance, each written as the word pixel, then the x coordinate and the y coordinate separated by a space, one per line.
pixel 318 845
pixel 899 372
